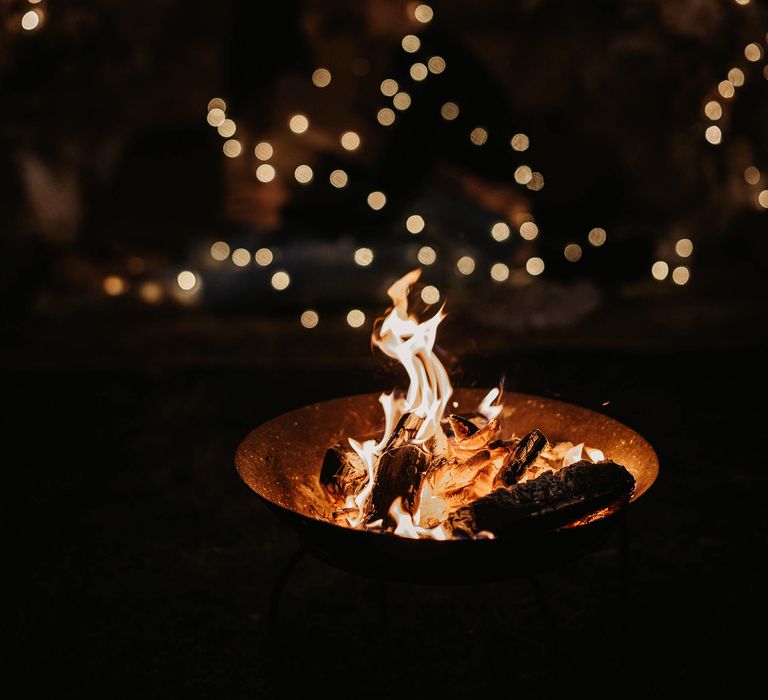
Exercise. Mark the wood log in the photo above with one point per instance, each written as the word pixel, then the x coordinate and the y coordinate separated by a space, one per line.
pixel 343 472
pixel 549 502
pixel 399 473
pixel 462 427
pixel 521 457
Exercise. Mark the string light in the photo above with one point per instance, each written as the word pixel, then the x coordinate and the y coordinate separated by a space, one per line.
pixel 660 270
pixel 597 236
pixel 736 76
pixel 227 128
pixel 519 142
pixel 426 255
pixel 523 175
pixel 217 103
pixel 389 87
pixel 303 174
pixel 500 231
pixel 423 13
pixel 113 285
pixel 363 257
pixel 465 265
pixel 449 111
pixel 220 250
pixel 411 43
pixel 713 110
pixel 263 257
pixel 572 252
pixel 436 64
pixel 713 135
pixel 499 272
pixel 241 257
pixel 350 140
pixel 309 319
pixel 529 230
pixel 280 280
pixel 414 223
pixel 216 117
pixel 534 266
pixel 30 20
pixel 401 101
pixel 376 200
pixel 355 318
pixel 537 182
pixel 265 173
pixel 339 179
pixel 321 78
pixel 186 280
pixel 752 175
pixel 232 148
pixel 681 275
pixel 753 52
pixel 726 89
pixel 298 123
pixel 385 117
pixel 263 150
pixel 684 247
pixel 478 136
pixel 419 71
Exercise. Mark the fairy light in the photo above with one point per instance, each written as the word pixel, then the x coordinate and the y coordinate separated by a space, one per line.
pixel 350 140
pixel 376 200
pixel 529 230
pixel 681 275
pixel 232 148
pixel 713 110
pixel 263 257
pixel 736 76
pixel 752 175
pixel 339 179
pixel 426 255
pixel 363 257
pixel 114 285
pixel 150 292
pixel 572 252
pixel 187 280
pixel 684 247
pixel 298 123
pixel 499 272
pixel 430 294
pixel 762 199
pixel 263 150
pixel 401 101
pixel 523 175
pixel 436 64
pixel 753 52
pixel 30 20
pixel 303 174
pixel 411 43
pixel 537 182
pixel 265 173
pixel 241 257
pixel 478 136
pixel 500 231
pixel 414 223
pixel 449 111
pixel 519 142
pixel 355 318
pixel 321 77
pixel 385 117
pixel 660 270
pixel 227 128
pixel 465 265
pixel 309 319
pixel 419 71
pixel 534 266
pixel 389 87
pixel 216 117
pixel 423 13
pixel 713 135
pixel 217 103
pixel 220 250
pixel 726 89
pixel 597 236
pixel 280 280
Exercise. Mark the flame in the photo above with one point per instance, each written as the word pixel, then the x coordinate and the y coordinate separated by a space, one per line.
pixel 594 454
pixel 487 409
pixel 573 455
pixel 407 526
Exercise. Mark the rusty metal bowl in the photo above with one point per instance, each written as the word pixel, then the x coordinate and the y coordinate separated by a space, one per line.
pixel 280 460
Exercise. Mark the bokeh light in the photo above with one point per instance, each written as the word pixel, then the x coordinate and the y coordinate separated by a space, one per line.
pixel 280 280
pixel 339 179
pixel 597 236
pixel 478 136
pixel 681 275
pixel 363 256
pixel 499 272
pixel 519 142
pixel 298 123
pixel 232 148
pixel 426 255
pixel 263 257
pixel 309 319
pixel 684 247
pixel 114 285
pixel 449 111
pixel 465 265
pixel 355 318
pixel 436 64
pixel 385 116
pixel 350 140
pixel 500 231
pixel 263 150
pixel 419 71
pixel 401 101
pixel 660 270
pixel 529 230
pixel 713 135
pixel 321 77
pixel 220 250
pixel 377 200
pixel 303 174
pixel 572 252
pixel 534 266
pixel 414 223
pixel 430 294
pixel 241 257
pixel 187 280
pixel 265 173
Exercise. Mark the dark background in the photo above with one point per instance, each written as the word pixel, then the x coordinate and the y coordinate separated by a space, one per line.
pixel 140 562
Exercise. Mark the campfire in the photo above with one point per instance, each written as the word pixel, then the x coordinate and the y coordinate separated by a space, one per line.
pixel 434 474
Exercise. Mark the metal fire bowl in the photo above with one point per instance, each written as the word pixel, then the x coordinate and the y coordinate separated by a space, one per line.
pixel 280 460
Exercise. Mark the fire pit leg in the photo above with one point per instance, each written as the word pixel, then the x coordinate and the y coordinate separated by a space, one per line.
pixel 550 636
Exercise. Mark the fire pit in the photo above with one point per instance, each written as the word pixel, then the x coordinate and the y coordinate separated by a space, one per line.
pixel 435 498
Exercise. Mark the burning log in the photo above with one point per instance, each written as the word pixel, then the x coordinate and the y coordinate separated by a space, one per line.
pixel 521 457
pixel 343 472
pixel 551 501
pixel 462 427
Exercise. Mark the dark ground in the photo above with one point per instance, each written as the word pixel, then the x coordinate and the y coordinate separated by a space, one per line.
pixel 145 565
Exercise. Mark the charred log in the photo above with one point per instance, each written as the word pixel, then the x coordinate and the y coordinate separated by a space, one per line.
pixel 549 502
pixel 462 427
pixel 343 472
pixel 521 457
pixel 399 473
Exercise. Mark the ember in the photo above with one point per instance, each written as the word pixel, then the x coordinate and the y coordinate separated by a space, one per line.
pixel 429 475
